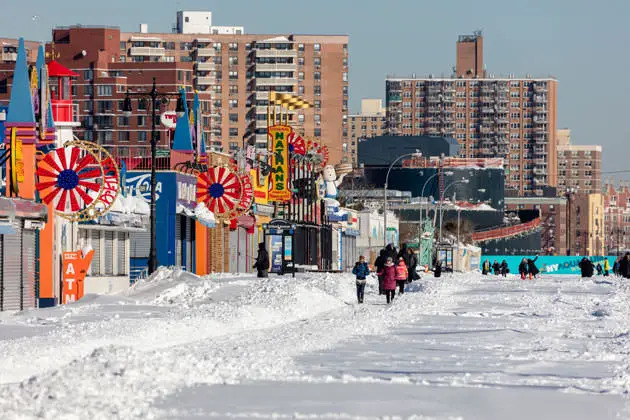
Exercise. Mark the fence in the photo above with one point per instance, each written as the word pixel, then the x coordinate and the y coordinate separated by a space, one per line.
pixel 506 232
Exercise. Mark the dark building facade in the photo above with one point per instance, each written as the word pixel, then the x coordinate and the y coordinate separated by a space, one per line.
pixel 383 150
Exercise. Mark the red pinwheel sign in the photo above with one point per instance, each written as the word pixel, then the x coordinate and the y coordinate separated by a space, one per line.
pixel 297 144
pixel 221 189
pixel 79 180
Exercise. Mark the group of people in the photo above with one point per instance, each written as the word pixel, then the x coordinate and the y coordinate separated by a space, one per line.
pixel 620 268
pixel 526 268
pixel 394 269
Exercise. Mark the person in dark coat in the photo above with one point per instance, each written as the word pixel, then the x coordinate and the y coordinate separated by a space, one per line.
pixel 522 269
pixel 531 268
pixel 616 267
pixel 624 266
pixel 262 261
pixel 379 263
pixel 361 271
pixel 437 271
pixel 504 268
pixel 485 267
pixel 391 252
pixel 411 265
pixel 496 267
pixel 599 269
pixel 586 267
pixel 403 254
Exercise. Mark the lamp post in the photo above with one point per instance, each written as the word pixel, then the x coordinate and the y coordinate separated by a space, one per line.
pixel 461 181
pixel 153 95
pixel 385 194
pixel 422 209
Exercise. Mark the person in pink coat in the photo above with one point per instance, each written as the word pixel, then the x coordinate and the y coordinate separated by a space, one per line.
pixel 401 275
pixel 389 279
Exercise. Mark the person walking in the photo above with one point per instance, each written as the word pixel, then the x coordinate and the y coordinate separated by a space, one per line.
pixel 531 268
pixel 504 268
pixel 496 267
pixel 403 253
pixel 606 267
pixel 616 266
pixel 599 269
pixel 522 269
pixel 379 264
pixel 586 267
pixel 262 261
pixel 389 279
pixel 437 271
pixel 411 266
pixel 624 266
pixel 485 267
pixel 401 275
pixel 361 271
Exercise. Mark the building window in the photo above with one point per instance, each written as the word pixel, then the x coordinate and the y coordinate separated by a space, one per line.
pixel 300 47
pixel 233 60
pixel 318 132
pixel 344 76
pixel 300 90
pixel 301 75
pixel 300 61
pixel 317 104
pixel 233 46
pixel 317 47
pixel 233 103
pixel 317 61
pixel 88 74
pixel 123 136
pixel 123 121
pixel 317 90
pixel 233 132
pixel 234 117
pixel 317 75
pixel 141 120
pixel 233 89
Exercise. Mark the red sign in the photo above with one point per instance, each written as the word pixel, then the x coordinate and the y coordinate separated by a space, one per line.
pixel 247 193
pixel 75 268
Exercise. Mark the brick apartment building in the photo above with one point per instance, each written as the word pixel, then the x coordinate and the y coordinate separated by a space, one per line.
pixel 232 71
pixel 617 218
pixel 580 167
pixel 369 123
pixel 513 118
pixel 587 233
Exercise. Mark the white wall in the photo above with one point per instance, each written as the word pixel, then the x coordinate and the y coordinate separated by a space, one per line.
pixel 194 22
pixel 105 285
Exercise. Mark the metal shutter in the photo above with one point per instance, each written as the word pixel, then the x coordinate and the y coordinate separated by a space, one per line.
pixel 140 244
pixel 233 249
pixel 188 222
pixel 95 241
pixel 109 252
pixel 28 269
pixel 122 254
pixel 178 240
pixel 12 293
pixel 242 250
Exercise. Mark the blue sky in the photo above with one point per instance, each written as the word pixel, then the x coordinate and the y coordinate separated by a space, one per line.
pixel 581 43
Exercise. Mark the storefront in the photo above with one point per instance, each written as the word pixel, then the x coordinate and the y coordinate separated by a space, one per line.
pixel 20 223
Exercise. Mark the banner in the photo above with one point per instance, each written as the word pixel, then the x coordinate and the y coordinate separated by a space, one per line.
pixel 548 264
pixel 261 187
pixel 280 163
pixel 75 268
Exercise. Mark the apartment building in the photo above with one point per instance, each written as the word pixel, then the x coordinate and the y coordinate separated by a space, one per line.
pixel 508 117
pixel 232 71
pixel 617 218
pixel 587 230
pixel 8 56
pixel 369 123
pixel 580 168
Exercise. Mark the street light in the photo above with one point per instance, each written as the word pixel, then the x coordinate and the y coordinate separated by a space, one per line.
pixel 153 95
pixel 461 181
pixel 416 154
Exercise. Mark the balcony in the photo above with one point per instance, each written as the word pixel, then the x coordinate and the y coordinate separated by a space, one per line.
pixel 9 56
pixel 207 66
pixel 487 110
pixel 206 52
pixel 276 67
pixel 276 53
pixel 261 138
pixel 275 81
pixel 540 98
pixel 147 51
pixel 538 88
pixel 206 80
pixel 261 123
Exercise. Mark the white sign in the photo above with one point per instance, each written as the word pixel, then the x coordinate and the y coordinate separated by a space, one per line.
pixel 34 225
pixel 140 186
pixel 169 119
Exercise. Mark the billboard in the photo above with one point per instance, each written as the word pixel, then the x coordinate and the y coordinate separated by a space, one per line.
pixel 549 264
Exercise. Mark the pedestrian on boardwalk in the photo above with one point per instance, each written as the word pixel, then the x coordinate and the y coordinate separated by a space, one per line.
pixel 496 267
pixel 586 267
pixel 522 269
pixel 599 268
pixel 624 266
pixel 262 261
pixel 401 275
pixel 531 268
pixel 485 267
pixel 389 279
pixel 504 268
pixel 379 264
pixel 411 266
pixel 437 271
pixel 606 267
pixel 391 252
pixel 616 267
pixel 403 254
pixel 361 271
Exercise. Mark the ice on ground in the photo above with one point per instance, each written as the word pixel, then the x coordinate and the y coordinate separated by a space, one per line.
pixel 233 346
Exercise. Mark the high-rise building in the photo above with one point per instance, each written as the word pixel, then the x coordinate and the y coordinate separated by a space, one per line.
pixel 617 218
pixel 233 73
pixel 580 168
pixel 369 123
pixel 508 117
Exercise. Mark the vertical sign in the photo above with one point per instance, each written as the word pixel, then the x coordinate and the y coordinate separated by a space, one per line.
pixel 75 268
pixel 279 191
pixel 288 248
pixel 276 253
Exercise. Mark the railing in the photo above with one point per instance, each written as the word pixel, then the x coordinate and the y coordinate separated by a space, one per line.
pixel 140 158
pixel 64 112
pixel 506 232
pixel 147 51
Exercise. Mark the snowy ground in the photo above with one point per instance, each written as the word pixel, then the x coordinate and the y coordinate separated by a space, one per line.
pixel 467 346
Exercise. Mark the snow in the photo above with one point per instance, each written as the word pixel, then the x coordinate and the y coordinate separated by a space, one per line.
pixel 233 346
pixel 205 216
